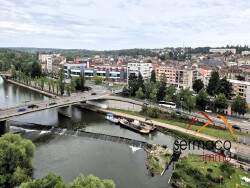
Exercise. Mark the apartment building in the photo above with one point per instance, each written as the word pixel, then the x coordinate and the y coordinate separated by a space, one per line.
pixel 186 77
pixel 168 72
pixel 245 53
pixel 51 62
pixel 108 72
pixel 223 50
pixel 241 88
pixel 144 68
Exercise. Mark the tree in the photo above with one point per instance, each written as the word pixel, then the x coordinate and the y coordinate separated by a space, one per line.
pixel 125 91
pixel 68 89
pixel 202 99
pixel 132 84
pixel 189 102
pixel 73 85
pixel 53 85
pixel 225 167
pixel 18 177
pixel 185 99
pixel 161 92
pixel 198 85
pixel 167 98
pixel 171 90
pixel 153 77
pixel 140 94
pixel 36 70
pixel 97 80
pixel 213 81
pixel 61 81
pixel 153 95
pixel 140 82
pixel 13 72
pixel 225 87
pixel 154 112
pixel 239 105
pixel 149 86
pixel 42 80
pixel 15 159
pixel 221 101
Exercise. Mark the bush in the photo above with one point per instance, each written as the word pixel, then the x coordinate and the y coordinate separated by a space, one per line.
pixel 184 117
pixel 164 146
pixel 176 175
pixel 213 179
pixel 173 115
pixel 154 112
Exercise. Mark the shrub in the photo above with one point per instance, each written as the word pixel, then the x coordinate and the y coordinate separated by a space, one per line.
pixel 154 112
pixel 164 146
pixel 176 175
pixel 184 117
pixel 173 114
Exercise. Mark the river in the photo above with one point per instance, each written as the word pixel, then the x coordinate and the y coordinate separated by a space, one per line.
pixel 70 155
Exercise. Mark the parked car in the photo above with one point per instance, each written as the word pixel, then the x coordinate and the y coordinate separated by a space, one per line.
pixel 178 112
pixel 21 109
pixel 146 103
pixel 52 103
pixel 208 111
pixel 236 127
pixel 32 106
pixel 93 93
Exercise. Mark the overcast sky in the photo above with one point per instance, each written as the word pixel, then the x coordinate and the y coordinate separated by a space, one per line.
pixel 120 24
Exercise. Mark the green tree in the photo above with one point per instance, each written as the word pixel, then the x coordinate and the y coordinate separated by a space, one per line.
pixel 198 85
pixel 149 86
pixel 61 81
pixel 15 159
pixel 185 99
pixel 153 76
pixel 167 98
pixel 239 105
pixel 132 84
pixel 225 167
pixel 140 82
pixel 42 80
pixel 161 91
pixel 202 99
pixel 73 85
pixel 68 89
pixel 140 94
pixel 125 91
pixel 19 176
pixel 13 72
pixel 171 90
pixel 154 112
pixel 225 87
pixel 36 70
pixel 213 81
pixel 221 101
pixel 153 95
pixel 53 85
pixel 97 80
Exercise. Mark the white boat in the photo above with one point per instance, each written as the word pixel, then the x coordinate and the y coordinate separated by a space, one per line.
pixel 111 118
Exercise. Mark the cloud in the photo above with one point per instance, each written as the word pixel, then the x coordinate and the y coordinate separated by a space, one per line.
pixel 116 24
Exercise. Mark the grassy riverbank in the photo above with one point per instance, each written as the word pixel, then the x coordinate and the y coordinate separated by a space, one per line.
pixel 158 158
pixel 193 172
pixel 224 134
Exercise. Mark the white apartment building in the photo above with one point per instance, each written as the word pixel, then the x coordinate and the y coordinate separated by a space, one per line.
pixel 186 77
pixel 144 68
pixel 223 50
pixel 245 53
pixel 49 64
pixel 43 57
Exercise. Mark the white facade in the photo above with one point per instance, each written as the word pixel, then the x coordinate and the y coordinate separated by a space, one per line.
pixel 144 68
pixel 245 53
pixel 49 64
pixel 223 50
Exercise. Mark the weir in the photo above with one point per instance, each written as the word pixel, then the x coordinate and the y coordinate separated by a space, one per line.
pixel 99 136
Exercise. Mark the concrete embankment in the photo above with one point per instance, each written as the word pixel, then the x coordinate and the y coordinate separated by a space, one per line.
pixel 32 88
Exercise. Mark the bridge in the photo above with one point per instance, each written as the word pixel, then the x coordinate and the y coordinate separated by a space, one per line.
pixel 63 104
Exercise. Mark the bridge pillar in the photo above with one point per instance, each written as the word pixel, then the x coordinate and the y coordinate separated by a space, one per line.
pixel 66 111
pixel 4 126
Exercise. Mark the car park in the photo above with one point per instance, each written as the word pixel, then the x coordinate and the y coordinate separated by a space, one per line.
pixel 32 106
pixel 21 109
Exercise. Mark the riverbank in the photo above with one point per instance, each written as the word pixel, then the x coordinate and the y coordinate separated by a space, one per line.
pixel 31 88
pixel 243 149
pixel 158 158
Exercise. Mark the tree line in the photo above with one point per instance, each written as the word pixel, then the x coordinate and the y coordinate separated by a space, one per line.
pixel 219 90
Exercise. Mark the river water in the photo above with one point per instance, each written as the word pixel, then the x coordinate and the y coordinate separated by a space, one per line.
pixel 70 155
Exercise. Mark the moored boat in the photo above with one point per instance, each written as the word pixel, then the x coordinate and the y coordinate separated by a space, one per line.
pixel 133 126
pixel 144 125
pixel 111 118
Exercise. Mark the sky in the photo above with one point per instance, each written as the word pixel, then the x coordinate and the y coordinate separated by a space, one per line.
pixel 123 24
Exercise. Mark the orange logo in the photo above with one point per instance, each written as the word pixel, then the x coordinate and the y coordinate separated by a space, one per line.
pixel 211 121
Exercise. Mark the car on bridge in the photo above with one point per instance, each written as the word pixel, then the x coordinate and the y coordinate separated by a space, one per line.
pixel 32 106
pixel 52 103
pixel 21 109
pixel 236 127
pixel 93 93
